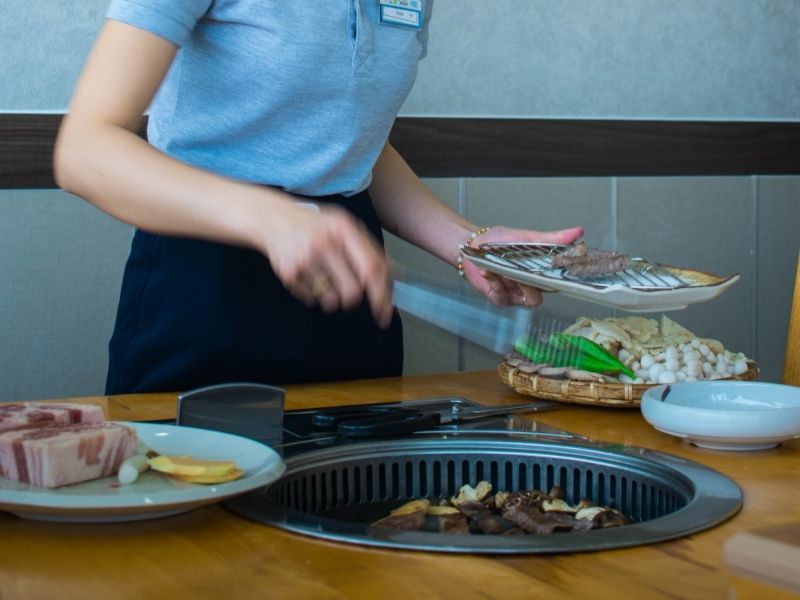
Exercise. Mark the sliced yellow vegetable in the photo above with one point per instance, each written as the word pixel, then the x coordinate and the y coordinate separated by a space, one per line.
pixel 191 467
pixel 230 476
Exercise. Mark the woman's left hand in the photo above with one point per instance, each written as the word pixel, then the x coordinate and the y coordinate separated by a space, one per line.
pixel 505 292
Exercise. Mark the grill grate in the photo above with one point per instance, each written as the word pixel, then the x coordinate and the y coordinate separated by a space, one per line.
pixel 395 482
pixel 536 259
pixel 336 493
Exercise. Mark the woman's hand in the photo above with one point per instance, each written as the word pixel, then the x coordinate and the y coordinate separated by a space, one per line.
pixel 505 292
pixel 327 257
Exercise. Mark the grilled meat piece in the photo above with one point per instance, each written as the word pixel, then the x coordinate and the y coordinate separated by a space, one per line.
pixel 533 520
pixel 409 517
pixel 515 531
pixel 481 518
pixel 455 523
pixel 414 521
pixel 529 497
pixel 540 513
pixel 600 517
pixel 476 510
pixel 580 261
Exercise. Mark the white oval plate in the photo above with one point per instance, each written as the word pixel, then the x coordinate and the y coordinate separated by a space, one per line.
pixel 698 287
pixel 153 494
pixel 725 415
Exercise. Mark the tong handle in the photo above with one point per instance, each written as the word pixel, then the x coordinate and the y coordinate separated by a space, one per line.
pixel 399 422
pixel 330 418
pixel 468 414
pixel 376 421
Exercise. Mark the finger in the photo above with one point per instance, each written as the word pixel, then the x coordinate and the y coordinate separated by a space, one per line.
pixel 327 296
pixel 303 292
pixel 372 272
pixel 561 236
pixel 379 295
pixel 344 286
pixel 493 287
pixel 527 295
pixel 317 288
pixel 344 280
pixel 496 283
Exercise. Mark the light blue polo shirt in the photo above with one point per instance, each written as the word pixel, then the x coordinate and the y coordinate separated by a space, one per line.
pixel 298 94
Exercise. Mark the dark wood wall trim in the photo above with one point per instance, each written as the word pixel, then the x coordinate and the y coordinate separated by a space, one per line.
pixel 26 150
pixel 544 148
pixel 471 147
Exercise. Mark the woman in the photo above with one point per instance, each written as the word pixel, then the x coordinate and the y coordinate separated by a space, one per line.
pixel 260 195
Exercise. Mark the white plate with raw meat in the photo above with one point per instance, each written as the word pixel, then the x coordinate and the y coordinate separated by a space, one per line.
pixel 153 494
pixel 631 284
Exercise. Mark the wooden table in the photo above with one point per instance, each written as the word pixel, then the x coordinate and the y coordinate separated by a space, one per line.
pixel 211 553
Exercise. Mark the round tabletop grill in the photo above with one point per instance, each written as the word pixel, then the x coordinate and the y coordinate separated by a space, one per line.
pixel 337 492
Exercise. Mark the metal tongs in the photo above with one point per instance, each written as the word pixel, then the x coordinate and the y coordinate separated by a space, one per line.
pixel 256 411
pixel 463 311
pixel 387 420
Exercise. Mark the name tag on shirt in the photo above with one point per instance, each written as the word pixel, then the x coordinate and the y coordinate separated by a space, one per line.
pixel 402 13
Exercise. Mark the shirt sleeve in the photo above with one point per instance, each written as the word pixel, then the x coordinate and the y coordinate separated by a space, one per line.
pixel 426 19
pixel 173 20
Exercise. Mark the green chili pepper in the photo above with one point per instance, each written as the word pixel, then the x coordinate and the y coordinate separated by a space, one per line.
pixel 535 350
pixel 592 350
pixel 562 350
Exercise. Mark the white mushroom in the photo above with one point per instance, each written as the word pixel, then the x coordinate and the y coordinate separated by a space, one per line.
pixel 656 370
pixel 694 367
pixel 740 366
pixel 667 377
pixel 587 514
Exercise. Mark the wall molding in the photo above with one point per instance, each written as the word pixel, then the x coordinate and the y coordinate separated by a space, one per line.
pixel 501 147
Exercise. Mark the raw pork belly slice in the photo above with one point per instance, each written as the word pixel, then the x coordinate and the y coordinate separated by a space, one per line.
pixel 56 455
pixel 32 414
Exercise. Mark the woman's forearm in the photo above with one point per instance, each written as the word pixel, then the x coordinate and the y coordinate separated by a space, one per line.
pixel 408 209
pixel 126 177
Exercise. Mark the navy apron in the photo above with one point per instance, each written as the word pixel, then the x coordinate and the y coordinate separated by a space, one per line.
pixel 194 313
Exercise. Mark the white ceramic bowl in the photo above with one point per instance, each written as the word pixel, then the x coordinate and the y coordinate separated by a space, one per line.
pixel 725 415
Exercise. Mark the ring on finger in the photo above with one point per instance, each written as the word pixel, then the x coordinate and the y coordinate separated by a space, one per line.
pixel 320 286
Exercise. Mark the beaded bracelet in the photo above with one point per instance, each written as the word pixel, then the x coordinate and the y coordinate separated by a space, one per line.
pixel 468 244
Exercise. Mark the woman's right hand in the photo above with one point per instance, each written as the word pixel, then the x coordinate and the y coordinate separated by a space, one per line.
pixel 326 257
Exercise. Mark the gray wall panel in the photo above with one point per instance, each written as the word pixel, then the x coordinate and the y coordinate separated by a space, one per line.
pixel 703 223
pixel 44 44
pixel 729 59
pixel 62 262
pixel 706 59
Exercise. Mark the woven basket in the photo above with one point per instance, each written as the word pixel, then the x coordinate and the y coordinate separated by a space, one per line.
pixel 591 393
